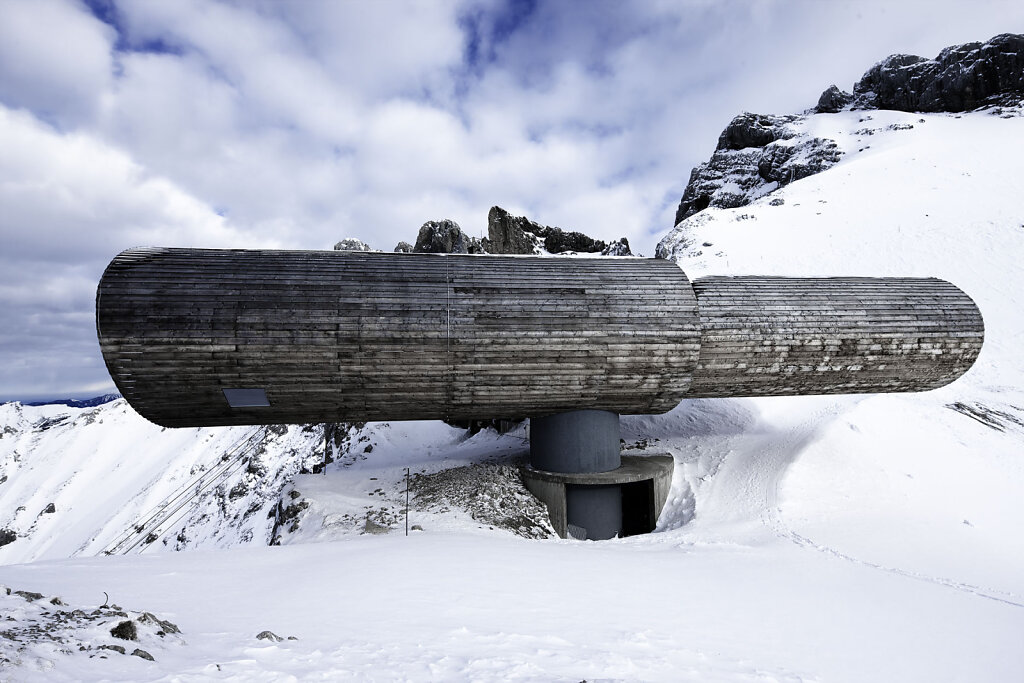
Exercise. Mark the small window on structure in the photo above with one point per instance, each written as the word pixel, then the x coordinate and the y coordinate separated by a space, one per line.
pixel 247 398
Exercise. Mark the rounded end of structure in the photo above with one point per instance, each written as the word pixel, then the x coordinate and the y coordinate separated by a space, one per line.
pixel 775 336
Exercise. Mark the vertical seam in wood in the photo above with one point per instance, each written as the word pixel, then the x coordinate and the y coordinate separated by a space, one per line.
pixel 450 382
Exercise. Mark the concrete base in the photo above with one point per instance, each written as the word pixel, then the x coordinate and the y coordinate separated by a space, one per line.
pixel 643 483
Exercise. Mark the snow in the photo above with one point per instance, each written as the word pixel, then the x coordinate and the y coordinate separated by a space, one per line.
pixel 839 538
pixel 466 607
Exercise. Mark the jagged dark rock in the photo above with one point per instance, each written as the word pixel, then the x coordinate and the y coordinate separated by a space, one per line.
pixel 784 163
pixel 126 630
pixel 559 241
pixel 142 653
pixel 441 237
pixel 352 244
pixel 754 151
pixel 30 595
pixel 163 625
pixel 619 247
pixel 508 234
pixel 403 248
pixel 752 130
pixel 7 536
pixel 49 509
pixel 833 100
pixel 960 78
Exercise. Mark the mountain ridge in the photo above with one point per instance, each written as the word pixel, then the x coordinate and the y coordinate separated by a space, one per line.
pixel 757 154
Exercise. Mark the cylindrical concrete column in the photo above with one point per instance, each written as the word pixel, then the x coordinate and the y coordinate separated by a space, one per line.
pixel 575 442
pixel 596 509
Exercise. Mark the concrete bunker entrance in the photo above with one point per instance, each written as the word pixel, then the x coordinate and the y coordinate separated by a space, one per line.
pixel 610 509
pixel 591 490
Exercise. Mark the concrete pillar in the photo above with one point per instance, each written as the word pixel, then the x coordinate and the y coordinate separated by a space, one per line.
pixel 575 442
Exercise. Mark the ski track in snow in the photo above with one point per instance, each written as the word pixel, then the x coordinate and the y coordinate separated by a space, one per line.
pixel 776 467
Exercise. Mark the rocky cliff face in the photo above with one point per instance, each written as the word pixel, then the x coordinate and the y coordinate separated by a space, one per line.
pixel 444 237
pixel 759 153
pixel 508 234
pixel 960 78
pixel 756 153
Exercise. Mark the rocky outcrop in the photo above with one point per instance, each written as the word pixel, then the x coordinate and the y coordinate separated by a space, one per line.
pixel 833 100
pixel 558 241
pixel 619 247
pixel 756 153
pixel 508 234
pixel 960 78
pixel 798 158
pixel 441 237
pixel 753 130
pixel 36 628
pixel 403 248
pixel 352 244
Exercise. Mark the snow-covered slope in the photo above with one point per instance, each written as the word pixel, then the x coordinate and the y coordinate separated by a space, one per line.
pixel 815 538
pixel 928 483
pixel 85 481
pixel 74 479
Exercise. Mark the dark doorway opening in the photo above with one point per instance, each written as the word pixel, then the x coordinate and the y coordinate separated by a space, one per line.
pixel 638 508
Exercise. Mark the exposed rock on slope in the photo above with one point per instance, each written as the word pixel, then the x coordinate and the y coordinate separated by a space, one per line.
pixel 833 100
pixel 352 244
pixel 508 234
pixel 756 153
pixel 37 626
pixel 492 494
pixel 445 237
pixel 759 153
pixel 960 78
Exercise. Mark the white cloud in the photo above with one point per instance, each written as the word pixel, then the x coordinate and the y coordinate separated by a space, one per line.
pixel 70 203
pixel 55 58
pixel 302 123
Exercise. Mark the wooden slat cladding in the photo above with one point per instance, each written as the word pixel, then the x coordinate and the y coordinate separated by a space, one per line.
pixel 774 336
pixel 367 336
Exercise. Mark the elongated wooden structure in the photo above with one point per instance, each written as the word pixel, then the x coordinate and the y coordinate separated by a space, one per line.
pixel 222 337
pixel 330 336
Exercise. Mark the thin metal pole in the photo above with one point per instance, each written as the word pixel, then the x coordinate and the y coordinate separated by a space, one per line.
pixel 325 449
pixel 406 501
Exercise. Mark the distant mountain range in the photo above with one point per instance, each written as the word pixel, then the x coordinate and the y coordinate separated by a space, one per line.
pixel 76 402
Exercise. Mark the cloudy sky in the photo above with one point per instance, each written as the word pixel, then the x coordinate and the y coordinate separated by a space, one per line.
pixel 295 124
